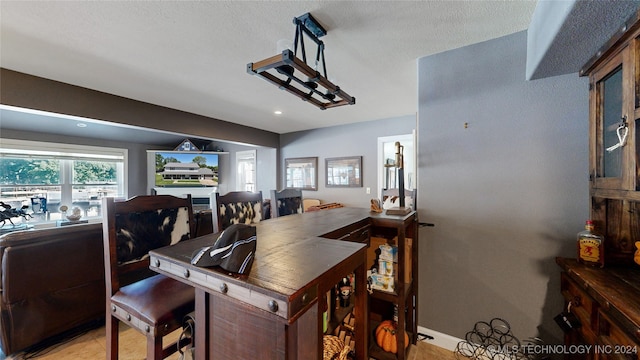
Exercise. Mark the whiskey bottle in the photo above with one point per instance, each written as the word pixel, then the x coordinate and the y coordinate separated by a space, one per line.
pixel 590 246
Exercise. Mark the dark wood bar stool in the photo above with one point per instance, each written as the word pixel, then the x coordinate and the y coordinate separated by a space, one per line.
pixel 153 304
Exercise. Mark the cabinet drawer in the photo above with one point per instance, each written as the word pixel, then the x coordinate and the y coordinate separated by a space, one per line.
pixel 358 232
pixel 616 344
pixel 582 305
pixel 360 235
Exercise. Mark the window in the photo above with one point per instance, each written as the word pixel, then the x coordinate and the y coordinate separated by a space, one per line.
pixel 45 176
pixel 246 166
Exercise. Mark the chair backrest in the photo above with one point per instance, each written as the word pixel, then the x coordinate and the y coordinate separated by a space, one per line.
pixel 390 198
pixel 237 207
pixel 133 227
pixel 286 202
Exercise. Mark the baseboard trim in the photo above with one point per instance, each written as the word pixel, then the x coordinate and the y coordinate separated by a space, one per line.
pixel 440 339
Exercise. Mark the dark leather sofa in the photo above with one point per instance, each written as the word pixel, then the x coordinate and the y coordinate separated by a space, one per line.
pixel 52 281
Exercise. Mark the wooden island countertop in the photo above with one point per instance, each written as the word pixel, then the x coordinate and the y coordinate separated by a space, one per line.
pixel 297 261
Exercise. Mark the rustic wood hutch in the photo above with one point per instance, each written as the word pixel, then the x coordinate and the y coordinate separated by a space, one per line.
pixel 607 301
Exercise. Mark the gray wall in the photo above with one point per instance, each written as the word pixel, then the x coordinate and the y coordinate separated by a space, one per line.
pixel 347 140
pixel 507 194
pixel 32 92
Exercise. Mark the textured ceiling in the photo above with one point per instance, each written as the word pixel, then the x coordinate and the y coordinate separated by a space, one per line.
pixel 192 56
pixel 565 35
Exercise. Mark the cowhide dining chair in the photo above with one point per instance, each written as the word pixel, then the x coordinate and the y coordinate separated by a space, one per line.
pixel 153 304
pixel 237 207
pixel 286 202
pixel 390 198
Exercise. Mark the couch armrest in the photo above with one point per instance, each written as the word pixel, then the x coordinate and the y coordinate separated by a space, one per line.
pixel 52 280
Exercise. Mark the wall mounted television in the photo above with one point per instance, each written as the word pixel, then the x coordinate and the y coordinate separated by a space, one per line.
pixel 186 169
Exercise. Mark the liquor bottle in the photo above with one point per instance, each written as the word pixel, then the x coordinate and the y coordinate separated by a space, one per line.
pixel 590 246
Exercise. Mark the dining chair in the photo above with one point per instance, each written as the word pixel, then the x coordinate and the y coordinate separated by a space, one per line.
pixel 390 198
pixel 203 222
pixel 237 207
pixel 286 202
pixel 153 304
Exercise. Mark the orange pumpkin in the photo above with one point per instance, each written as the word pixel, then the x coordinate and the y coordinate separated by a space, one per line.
pixel 386 336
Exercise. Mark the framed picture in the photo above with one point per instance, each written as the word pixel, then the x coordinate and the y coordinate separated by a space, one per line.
pixel 344 171
pixel 301 173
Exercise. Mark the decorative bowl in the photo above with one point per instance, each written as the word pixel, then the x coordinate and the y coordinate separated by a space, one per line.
pixel 76 214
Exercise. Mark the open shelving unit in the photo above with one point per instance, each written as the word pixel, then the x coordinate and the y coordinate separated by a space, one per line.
pixel 393 230
pixel 400 231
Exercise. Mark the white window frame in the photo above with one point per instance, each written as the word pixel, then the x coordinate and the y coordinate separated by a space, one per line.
pixel 67 153
pixel 410 156
pixel 243 157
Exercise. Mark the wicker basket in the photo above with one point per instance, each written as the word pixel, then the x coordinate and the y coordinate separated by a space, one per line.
pixel 334 348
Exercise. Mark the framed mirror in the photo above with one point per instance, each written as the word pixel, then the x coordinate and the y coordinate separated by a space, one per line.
pixel 301 173
pixel 344 171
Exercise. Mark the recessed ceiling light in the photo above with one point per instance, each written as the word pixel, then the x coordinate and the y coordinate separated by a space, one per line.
pixel 278 112
pixel 81 125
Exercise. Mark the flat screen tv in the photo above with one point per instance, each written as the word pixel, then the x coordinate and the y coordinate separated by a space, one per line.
pixel 186 169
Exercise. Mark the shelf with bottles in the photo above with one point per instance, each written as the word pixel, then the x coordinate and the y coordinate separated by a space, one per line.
pixel 335 316
pixel 338 306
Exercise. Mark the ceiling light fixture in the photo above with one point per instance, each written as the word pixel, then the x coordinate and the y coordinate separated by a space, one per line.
pixel 292 74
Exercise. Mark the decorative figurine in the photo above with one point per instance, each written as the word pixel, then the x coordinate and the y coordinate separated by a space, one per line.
pixel 375 206
pixel 76 214
pixel 343 292
pixel 10 212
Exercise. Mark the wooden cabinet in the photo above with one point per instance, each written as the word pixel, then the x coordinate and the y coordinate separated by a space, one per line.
pixel 582 306
pixel 614 116
pixel 606 302
pixel 400 231
pixel 610 112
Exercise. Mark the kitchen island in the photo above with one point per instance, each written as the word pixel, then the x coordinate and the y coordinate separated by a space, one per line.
pixel 276 310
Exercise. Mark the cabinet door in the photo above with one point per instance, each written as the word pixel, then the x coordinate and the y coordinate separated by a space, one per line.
pixel 614 343
pixel 612 106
